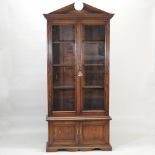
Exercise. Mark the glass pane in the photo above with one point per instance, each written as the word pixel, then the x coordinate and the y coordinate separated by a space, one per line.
pixel 63 53
pixel 93 99
pixel 63 49
pixel 63 32
pixel 93 52
pixel 64 100
pixel 94 32
pixel 94 44
pixel 94 75
pixel 63 76
pixel 63 39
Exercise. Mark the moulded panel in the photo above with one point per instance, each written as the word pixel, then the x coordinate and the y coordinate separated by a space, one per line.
pixel 94 132
pixel 62 133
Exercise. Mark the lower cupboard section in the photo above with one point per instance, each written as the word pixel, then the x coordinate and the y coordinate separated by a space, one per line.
pixel 78 135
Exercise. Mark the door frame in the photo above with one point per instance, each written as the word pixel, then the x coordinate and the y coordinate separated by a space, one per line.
pixel 106 73
pixel 50 71
pixel 78 57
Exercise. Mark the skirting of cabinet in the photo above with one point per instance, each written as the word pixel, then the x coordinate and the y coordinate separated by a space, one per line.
pixel 50 148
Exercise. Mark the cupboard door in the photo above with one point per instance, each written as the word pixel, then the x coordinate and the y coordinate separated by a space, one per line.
pixel 93 64
pixel 63 67
pixel 63 133
pixel 94 132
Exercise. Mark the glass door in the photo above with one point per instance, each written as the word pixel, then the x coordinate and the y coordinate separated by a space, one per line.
pixel 93 61
pixel 63 55
pixel 78 75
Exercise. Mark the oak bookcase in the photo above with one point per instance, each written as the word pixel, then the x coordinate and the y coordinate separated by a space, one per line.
pixel 78 79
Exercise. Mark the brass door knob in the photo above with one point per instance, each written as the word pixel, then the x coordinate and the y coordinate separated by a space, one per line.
pixel 80 74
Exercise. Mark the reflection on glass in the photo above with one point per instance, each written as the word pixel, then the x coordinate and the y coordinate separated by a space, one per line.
pixel 63 32
pixel 94 75
pixel 94 32
pixel 93 99
pixel 63 76
pixel 94 44
pixel 94 52
pixel 64 100
pixel 63 40
pixel 63 53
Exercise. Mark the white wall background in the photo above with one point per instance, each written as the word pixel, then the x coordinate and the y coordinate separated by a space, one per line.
pixel 23 102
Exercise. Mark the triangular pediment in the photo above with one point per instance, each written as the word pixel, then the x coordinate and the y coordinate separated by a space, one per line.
pixel 87 10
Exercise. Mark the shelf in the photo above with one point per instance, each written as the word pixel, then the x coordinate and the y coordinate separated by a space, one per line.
pixel 63 41
pixel 63 87
pixel 93 41
pixel 93 64
pixel 69 65
pixel 63 65
pixel 91 87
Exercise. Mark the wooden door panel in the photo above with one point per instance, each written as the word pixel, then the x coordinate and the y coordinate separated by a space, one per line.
pixel 94 132
pixel 63 133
